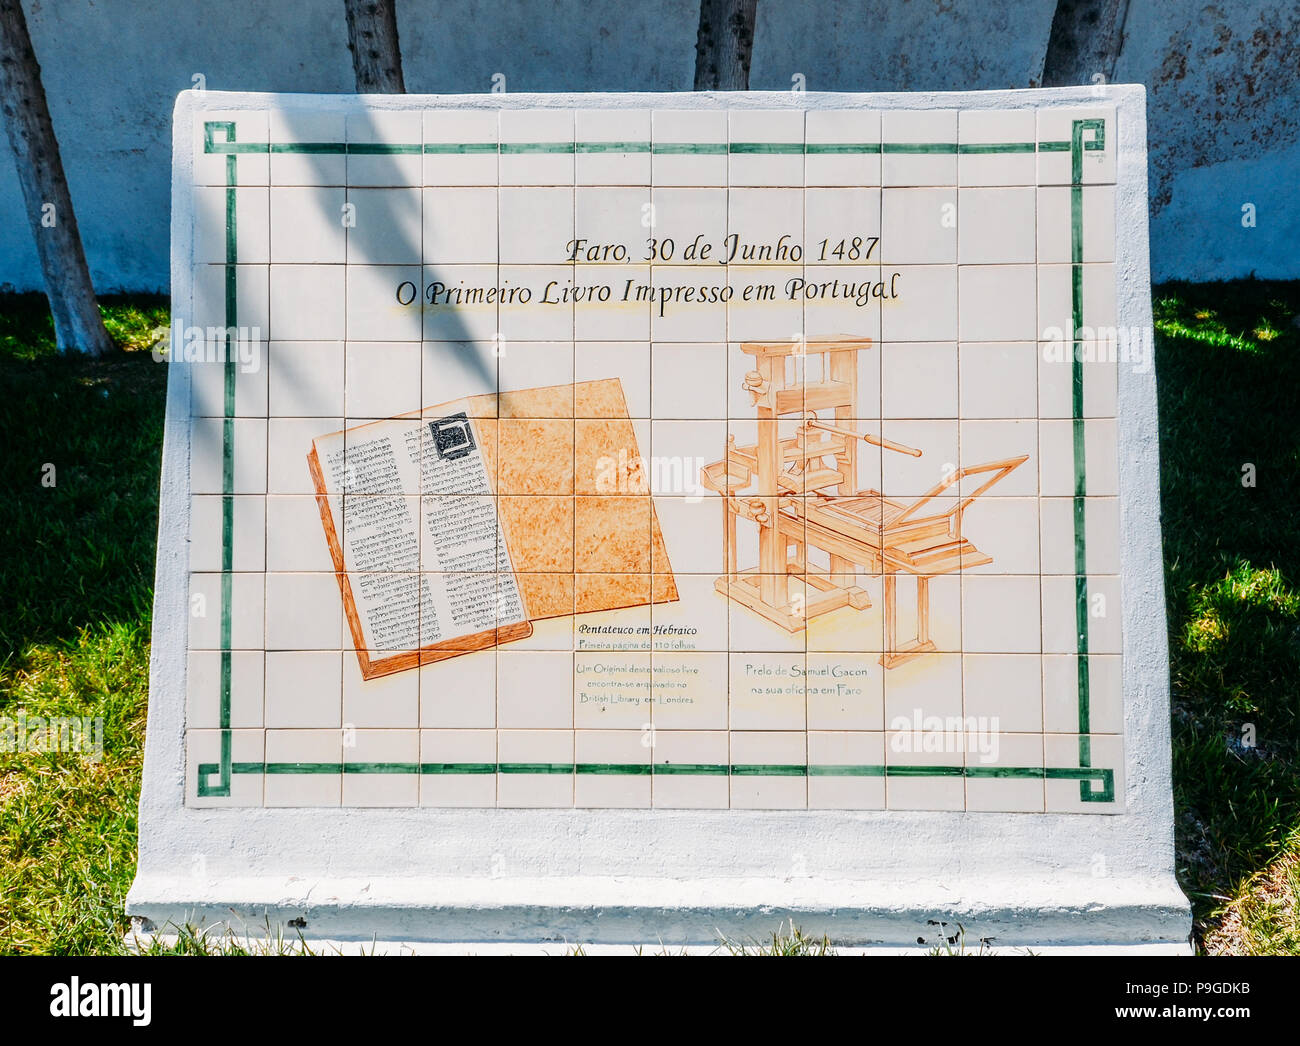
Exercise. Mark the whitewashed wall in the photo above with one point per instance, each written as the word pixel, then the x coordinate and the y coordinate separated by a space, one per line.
pixel 1224 99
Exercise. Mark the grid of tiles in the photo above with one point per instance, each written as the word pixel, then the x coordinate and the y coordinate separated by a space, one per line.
pixel 966 245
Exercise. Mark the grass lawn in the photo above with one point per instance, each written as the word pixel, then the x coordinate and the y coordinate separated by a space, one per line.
pixel 76 569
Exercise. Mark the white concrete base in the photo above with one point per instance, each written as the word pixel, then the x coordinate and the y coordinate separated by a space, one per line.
pixel 487 916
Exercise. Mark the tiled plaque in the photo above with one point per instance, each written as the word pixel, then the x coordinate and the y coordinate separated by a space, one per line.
pixel 653 454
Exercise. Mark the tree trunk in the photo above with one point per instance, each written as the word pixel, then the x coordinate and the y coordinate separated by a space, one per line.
pixel 376 51
pixel 724 45
pixel 1085 40
pixel 78 325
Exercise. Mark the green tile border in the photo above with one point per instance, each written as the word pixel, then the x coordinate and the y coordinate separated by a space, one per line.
pixel 1085 773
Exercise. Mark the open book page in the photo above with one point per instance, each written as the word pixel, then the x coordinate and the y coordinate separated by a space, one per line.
pixel 419 540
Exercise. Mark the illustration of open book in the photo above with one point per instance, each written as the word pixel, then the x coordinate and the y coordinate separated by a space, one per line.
pixel 453 528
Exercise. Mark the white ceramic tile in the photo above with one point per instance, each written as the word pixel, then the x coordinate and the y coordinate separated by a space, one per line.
pixel 907 477
pixel 611 305
pixel 940 789
pixel 768 791
pixel 935 127
pixel 1005 529
pixel 696 620
pixel 694 529
pixel 1055 224
pixel 290 440
pixel 1101 534
pixel 250 126
pixel 1105 694
pixel 688 381
pixel 307 166
pixel 690 691
pixel 686 765
pixel 542 314
pixel 754 135
pixel 203 748
pixel 689 225
pixel 767 226
pixel 846 299
pixel 535 364
pixel 1061 633
pixel 295 538
pixel 1057 126
pixel 385 148
pixel 203 689
pixel 602 162
pixel 442 752
pixel 526 749
pixel 460 302
pixel 997 226
pixel 673 164
pixel 1013 794
pixel 522 130
pixel 836 128
pixel 984 135
pixel 998 380
pixel 1056 462
pixel 534 689
pixel 304 688
pixel 993 442
pixel 452 370
pixel 594 751
pixel 460 692
pixel 391 701
pixel 768 691
pixel 307 225
pixel 845 691
pixel 1055 301
pixel 382 379
pixel 308 301
pixel 1001 614
pixel 842 225
pixel 766 305
pixel 391 750
pixel 447 159
pixel 303 612
pixel 537 224
pixel 249 528
pixel 919 380
pixel 1106 751
pixel 918 226
pixel 1005 691
pixel 385 226
pixel 252 316
pixel 306 379
pixel 206 455
pixel 920 303
pixel 997 303
pixel 688 316
pixel 921 688
pixel 211 212
pixel 313 747
pixel 1100 361
pixel 840 784
pixel 374 310
pixel 208 376
pixel 460 225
